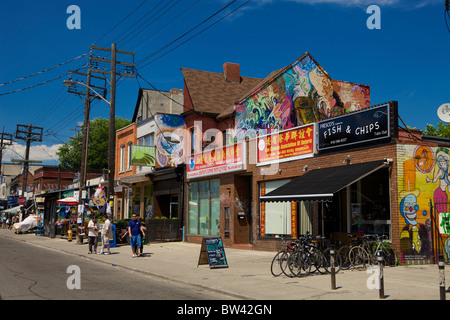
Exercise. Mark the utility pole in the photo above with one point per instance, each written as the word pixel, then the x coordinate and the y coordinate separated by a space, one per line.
pixel 121 69
pixel 112 126
pixel 8 137
pixel 29 134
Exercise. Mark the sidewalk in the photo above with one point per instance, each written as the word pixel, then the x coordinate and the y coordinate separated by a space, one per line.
pixel 248 276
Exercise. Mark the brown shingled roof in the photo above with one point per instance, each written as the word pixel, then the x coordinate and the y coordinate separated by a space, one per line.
pixel 211 93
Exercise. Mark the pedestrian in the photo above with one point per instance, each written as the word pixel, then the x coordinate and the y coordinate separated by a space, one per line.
pixel 93 227
pixel 13 220
pixel 134 230
pixel 106 235
pixel 143 229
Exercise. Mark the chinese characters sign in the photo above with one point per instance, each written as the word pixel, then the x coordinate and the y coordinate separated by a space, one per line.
pixel 216 161
pixel 288 145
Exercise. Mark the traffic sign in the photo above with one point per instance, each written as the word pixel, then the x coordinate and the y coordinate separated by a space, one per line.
pixel 21 200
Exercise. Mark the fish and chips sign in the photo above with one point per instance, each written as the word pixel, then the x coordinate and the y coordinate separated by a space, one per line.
pixel 287 145
pixel 216 161
pixel 364 126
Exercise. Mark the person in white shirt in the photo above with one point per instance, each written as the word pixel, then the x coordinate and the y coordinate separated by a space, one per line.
pixel 93 227
pixel 106 235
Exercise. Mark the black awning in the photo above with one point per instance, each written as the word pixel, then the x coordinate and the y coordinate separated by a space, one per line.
pixel 321 184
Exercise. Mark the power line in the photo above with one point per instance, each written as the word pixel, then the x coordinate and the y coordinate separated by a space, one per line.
pixel 117 24
pixel 48 69
pixel 165 12
pixel 34 86
pixel 195 35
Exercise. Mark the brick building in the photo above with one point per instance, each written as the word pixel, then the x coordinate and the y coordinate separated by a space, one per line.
pixel 308 153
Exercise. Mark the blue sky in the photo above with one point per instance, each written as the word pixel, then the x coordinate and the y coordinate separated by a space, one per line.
pixel 407 60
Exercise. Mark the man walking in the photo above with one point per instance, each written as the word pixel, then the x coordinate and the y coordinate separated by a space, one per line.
pixel 93 227
pixel 134 231
pixel 106 235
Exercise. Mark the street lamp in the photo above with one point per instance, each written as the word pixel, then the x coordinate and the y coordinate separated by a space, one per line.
pixel 69 83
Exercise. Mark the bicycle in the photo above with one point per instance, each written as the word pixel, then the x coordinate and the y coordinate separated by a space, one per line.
pixel 279 262
pixel 123 237
pixel 343 252
pixel 308 259
pixel 362 255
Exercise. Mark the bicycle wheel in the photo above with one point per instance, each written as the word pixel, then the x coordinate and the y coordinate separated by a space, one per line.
pixel 327 260
pixel 389 256
pixel 343 254
pixel 296 264
pixel 359 258
pixel 276 268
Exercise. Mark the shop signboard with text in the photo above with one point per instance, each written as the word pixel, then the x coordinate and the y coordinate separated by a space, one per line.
pixel 359 127
pixel 292 144
pixel 216 161
pixel 143 155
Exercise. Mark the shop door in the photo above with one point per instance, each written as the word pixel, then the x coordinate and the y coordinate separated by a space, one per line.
pixel 173 210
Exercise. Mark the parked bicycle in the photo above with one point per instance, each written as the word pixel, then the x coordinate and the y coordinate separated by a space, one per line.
pixel 311 257
pixel 123 237
pixel 372 246
pixel 343 252
pixel 279 262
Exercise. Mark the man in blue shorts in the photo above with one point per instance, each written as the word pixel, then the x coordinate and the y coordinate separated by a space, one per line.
pixel 134 231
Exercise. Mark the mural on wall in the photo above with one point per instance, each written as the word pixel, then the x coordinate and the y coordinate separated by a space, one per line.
pixel 423 176
pixel 169 145
pixel 303 94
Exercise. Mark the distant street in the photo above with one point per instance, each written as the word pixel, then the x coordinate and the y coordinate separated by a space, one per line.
pixel 28 272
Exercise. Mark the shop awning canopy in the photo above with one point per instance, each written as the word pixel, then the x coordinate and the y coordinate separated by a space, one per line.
pixel 12 210
pixel 321 184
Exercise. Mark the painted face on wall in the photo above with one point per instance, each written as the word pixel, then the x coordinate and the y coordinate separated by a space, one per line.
pixel 408 209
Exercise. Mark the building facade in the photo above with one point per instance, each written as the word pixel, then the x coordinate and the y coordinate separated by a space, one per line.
pixel 308 153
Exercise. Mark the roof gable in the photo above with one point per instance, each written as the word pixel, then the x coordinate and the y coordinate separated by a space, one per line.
pixel 211 93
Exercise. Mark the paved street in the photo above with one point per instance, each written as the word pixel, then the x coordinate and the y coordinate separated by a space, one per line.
pixel 34 273
pixel 248 276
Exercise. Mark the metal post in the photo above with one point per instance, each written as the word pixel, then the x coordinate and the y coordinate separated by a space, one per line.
pixel 441 277
pixel 333 271
pixel 381 276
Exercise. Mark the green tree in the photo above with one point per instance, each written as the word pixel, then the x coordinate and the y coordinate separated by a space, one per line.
pixel 70 152
pixel 442 130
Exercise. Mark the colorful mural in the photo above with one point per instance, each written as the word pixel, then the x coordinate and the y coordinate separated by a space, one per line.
pixel 169 145
pixel 422 176
pixel 302 94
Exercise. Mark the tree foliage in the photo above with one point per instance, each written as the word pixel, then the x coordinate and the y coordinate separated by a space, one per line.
pixel 442 130
pixel 70 152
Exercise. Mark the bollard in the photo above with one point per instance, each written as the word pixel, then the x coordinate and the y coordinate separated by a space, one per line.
pixel 441 277
pixel 332 271
pixel 381 276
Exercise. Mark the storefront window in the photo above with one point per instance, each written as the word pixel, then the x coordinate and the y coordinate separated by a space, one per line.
pixel 277 218
pixel 204 207
pixel 215 206
pixel 370 209
pixel 193 208
pixel 203 217
pixel 148 200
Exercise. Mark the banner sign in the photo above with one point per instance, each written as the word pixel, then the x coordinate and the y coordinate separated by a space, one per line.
pixel 363 126
pixel 216 161
pixel 142 155
pixel 292 144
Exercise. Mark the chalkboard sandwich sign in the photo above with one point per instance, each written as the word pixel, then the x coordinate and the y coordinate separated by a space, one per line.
pixel 212 252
